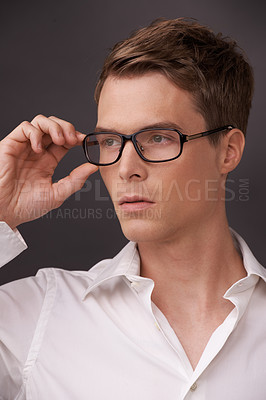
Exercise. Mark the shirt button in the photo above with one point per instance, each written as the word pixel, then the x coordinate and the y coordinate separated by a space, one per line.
pixel 194 387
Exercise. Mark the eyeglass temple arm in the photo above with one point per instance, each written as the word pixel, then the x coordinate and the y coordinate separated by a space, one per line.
pixel 92 143
pixel 198 135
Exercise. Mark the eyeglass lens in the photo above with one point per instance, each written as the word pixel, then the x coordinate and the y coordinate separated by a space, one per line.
pixel 158 145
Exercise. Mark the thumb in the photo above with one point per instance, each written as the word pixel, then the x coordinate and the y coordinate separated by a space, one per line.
pixel 72 183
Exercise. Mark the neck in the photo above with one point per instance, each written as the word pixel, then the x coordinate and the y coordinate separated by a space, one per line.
pixel 194 266
pixel 192 273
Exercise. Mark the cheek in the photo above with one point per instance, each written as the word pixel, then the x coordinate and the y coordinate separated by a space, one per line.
pixel 196 179
pixel 105 177
pixel 109 178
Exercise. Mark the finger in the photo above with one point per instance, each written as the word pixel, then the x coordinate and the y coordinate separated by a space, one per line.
pixel 74 138
pixel 68 129
pixel 27 132
pixel 80 137
pixel 59 152
pixel 47 141
pixel 49 127
pixel 72 183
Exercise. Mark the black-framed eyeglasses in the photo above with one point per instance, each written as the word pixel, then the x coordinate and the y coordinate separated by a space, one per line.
pixel 152 145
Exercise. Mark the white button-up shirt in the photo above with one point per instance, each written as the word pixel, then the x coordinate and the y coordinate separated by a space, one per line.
pixel 96 335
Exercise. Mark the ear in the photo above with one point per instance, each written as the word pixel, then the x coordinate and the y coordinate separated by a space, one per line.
pixel 232 148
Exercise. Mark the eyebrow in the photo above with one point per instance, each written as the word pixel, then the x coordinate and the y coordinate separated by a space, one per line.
pixel 163 124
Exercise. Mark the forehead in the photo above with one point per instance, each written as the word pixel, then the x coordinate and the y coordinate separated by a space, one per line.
pixel 130 103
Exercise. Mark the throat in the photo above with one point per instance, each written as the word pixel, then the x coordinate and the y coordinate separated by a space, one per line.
pixel 194 328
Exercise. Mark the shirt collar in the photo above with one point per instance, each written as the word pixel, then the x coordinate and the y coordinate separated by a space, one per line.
pixel 254 269
pixel 127 263
pixel 241 291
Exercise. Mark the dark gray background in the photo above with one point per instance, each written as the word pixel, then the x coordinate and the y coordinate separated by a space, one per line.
pixel 51 54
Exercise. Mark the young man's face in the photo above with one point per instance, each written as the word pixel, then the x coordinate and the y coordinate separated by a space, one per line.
pixel 158 202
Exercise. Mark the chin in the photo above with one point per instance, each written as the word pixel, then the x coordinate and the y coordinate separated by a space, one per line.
pixel 139 230
pixel 138 235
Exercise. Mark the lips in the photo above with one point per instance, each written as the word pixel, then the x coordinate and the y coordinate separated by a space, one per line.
pixel 134 203
pixel 134 199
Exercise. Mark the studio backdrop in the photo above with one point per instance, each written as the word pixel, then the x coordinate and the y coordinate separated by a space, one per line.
pixel 51 55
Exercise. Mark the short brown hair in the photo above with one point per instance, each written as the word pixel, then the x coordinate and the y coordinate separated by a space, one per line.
pixel 209 66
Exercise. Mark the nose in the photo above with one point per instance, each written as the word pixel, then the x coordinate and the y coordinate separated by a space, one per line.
pixel 131 166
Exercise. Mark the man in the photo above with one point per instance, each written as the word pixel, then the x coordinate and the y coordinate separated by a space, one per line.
pixel 178 313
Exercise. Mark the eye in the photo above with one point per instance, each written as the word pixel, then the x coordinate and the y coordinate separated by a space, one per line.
pixel 110 142
pixel 160 139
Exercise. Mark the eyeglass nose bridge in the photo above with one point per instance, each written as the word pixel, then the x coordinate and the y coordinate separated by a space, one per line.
pixel 130 138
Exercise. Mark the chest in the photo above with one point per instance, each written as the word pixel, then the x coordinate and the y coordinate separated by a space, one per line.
pixel 103 349
pixel 194 331
pixel 106 362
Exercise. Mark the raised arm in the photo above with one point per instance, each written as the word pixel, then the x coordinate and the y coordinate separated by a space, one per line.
pixel 28 158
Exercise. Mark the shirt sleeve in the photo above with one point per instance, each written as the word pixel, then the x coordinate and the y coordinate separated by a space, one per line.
pixel 11 243
pixel 21 303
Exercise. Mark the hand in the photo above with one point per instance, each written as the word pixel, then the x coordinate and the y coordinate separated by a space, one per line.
pixel 28 158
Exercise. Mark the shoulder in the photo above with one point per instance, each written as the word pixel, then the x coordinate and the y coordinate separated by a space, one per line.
pixel 21 303
pixel 28 294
